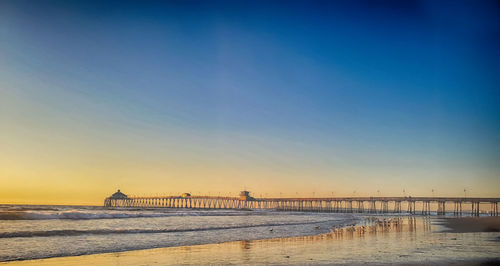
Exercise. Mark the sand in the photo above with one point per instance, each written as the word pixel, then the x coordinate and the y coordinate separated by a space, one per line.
pixel 472 224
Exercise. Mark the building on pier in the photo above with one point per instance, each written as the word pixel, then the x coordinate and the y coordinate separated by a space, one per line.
pixel 118 195
pixel 245 195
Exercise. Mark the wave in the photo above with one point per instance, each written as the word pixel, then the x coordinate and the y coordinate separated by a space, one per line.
pixel 28 208
pixel 85 215
pixel 88 215
pixel 74 215
pixel 135 231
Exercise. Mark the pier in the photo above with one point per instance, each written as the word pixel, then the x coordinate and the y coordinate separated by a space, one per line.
pixel 375 205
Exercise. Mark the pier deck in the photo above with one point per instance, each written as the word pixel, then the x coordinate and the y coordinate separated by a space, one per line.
pixel 412 205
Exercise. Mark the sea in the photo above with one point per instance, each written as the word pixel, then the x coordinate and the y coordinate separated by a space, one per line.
pixel 33 232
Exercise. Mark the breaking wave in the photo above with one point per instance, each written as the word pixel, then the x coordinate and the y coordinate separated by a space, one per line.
pixel 75 215
pixel 87 215
pixel 134 231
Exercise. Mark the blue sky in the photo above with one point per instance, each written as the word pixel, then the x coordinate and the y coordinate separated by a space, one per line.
pixel 382 92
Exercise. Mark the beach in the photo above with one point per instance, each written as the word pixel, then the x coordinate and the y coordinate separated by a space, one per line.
pixel 378 240
pixel 36 232
pixel 472 224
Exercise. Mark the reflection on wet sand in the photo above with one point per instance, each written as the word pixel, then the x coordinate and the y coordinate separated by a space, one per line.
pixel 371 226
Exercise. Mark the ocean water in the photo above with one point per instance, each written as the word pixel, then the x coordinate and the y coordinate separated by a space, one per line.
pixel 34 232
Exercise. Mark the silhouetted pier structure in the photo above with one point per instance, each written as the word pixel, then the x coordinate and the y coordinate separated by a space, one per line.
pixel 331 204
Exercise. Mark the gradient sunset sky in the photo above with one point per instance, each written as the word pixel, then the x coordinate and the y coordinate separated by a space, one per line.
pixel 290 97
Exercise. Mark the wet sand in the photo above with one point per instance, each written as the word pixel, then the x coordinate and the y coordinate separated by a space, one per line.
pixel 221 254
pixel 384 241
pixel 472 224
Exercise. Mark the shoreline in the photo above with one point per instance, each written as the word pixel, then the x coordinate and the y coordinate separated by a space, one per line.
pixel 354 222
pixel 282 250
pixel 344 224
pixel 157 256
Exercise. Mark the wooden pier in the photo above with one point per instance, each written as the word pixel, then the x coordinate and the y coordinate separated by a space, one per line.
pixel 410 205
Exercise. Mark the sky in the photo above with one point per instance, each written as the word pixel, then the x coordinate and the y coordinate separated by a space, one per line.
pixel 290 98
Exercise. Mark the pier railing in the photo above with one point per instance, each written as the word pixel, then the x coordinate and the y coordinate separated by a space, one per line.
pixel 411 205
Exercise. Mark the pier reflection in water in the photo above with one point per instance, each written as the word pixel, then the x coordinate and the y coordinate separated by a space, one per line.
pixel 379 240
pixel 372 226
